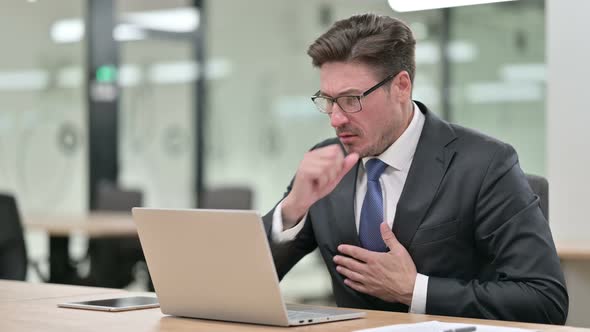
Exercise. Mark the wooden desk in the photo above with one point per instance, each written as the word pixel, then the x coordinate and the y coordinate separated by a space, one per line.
pixel 23 291
pixel 40 313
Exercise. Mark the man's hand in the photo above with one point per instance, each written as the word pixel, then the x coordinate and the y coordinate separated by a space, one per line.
pixel 389 276
pixel 318 174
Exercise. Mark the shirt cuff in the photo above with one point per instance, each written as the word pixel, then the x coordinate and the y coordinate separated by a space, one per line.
pixel 418 305
pixel 278 234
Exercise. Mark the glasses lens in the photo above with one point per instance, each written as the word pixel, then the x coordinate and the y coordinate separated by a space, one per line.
pixel 349 104
pixel 321 103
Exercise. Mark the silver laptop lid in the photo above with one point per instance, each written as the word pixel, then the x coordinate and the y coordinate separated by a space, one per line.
pixel 212 264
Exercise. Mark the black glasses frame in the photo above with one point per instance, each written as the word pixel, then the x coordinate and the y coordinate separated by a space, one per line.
pixel 358 97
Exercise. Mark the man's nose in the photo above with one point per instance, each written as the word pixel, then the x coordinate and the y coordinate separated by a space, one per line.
pixel 337 117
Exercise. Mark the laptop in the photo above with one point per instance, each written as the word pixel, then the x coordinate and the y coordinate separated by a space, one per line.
pixel 217 264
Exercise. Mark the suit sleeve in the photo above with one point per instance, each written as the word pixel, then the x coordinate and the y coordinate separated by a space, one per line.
pixel 287 254
pixel 524 280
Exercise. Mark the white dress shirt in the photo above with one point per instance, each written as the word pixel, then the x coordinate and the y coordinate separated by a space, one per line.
pixel 399 158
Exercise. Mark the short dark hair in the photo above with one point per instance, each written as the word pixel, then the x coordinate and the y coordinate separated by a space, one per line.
pixel 382 42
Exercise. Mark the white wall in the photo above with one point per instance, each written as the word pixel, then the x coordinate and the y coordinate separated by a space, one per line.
pixel 568 135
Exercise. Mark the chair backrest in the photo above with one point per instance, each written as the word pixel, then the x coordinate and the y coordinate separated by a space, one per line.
pixel 109 197
pixel 112 259
pixel 239 198
pixel 13 252
pixel 540 187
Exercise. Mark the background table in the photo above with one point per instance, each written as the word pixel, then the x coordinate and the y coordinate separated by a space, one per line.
pixel 573 251
pixel 59 229
pixel 95 224
pixel 101 224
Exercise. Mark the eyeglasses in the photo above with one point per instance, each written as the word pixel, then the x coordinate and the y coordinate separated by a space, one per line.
pixel 348 104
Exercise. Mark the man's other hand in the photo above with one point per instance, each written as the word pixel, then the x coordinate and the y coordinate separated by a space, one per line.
pixel 389 276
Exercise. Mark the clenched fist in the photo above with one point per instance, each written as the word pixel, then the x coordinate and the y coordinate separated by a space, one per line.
pixel 318 174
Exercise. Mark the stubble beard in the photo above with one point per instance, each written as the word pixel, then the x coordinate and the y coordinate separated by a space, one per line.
pixel 386 139
pixel 382 144
pixel 374 150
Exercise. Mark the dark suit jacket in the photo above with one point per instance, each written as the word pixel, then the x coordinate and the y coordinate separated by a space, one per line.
pixel 470 222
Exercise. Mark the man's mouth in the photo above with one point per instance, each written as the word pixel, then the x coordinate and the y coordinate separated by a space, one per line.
pixel 347 138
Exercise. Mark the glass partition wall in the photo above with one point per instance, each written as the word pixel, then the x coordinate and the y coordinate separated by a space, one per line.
pixel 156 113
pixel 261 118
pixel 43 118
pixel 500 87
pixel 42 108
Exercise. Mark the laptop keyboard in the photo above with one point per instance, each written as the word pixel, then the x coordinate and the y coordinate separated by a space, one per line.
pixel 300 312
pixel 295 315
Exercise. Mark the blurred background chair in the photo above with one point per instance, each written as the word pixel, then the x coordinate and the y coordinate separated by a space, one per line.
pixel 238 198
pixel 13 252
pixel 113 260
pixel 14 260
pixel 540 186
pixel 112 198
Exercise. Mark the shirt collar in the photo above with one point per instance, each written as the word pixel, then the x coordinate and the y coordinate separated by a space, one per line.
pixel 400 154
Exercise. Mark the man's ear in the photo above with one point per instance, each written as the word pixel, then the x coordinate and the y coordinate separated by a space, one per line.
pixel 403 85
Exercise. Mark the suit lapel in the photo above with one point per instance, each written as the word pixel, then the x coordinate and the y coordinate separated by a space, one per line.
pixel 342 199
pixel 430 163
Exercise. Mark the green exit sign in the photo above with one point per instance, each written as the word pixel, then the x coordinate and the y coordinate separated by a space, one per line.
pixel 106 74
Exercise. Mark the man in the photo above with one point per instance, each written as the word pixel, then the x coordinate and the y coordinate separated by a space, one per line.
pixel 410 212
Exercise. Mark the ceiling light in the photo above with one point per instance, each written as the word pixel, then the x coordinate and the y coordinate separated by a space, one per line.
pixel 415 5
pixel 67 31
pixel 171 20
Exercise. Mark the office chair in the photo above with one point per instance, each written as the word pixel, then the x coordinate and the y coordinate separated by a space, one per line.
pixel 13 252
pixel 113 259
pixel 236 197
pixel 540 187
pixel 112 198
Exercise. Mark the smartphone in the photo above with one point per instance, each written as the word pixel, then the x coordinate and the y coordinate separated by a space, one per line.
pixel 116 304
